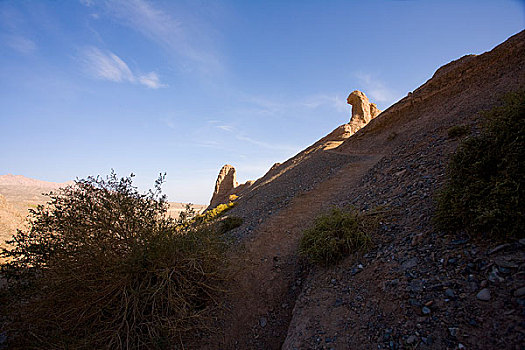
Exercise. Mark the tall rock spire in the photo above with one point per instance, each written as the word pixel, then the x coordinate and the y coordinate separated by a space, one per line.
pixel 362 110
pixel 226 182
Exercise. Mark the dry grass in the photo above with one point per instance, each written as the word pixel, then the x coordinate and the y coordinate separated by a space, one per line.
pixel 105 267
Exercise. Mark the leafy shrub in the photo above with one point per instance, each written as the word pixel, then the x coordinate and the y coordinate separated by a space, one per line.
pixel 229 223
pixel 485 185
pixel 103 266
pixel 392 136
pixel 335 235
pixel 214 213
pixel 458 131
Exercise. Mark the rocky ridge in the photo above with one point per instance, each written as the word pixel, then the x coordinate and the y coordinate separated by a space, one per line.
pixel 362 113
pixel 417 287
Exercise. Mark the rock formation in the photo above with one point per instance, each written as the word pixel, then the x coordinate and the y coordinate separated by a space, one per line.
pixel 226 182
pixel 226 185
pixel 362 110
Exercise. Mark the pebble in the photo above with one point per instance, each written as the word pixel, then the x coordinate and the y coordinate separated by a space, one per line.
pixel 355 271
pixel 483 294
pixel 263 322
pixel 412 339
pixel 428 340
pixel 494 277
pixel 453 331
pixel 450 293
pixel 519 292
pixel 498 248
pixel 484 283
pixel 425 310
pixel 409 264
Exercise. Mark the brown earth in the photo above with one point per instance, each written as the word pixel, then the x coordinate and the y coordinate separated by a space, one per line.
pixel 417 288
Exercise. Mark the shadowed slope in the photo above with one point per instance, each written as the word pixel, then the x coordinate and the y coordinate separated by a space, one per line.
pixel 398 160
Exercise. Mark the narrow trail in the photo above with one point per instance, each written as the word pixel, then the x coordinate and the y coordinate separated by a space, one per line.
pixel 270 276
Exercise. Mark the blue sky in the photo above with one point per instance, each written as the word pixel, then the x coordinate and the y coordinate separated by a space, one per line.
pixel 184 87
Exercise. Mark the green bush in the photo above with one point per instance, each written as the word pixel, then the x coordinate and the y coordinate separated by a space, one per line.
pixel 485 184
pixel 335 235
pixel 103 266
pixel 458 131
pixel 213 214
pixel 229 223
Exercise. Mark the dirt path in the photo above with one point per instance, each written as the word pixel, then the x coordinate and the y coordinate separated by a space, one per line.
pixel 268 282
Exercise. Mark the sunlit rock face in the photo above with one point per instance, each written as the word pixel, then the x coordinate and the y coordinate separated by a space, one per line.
pixel 362 110
pixel 226 182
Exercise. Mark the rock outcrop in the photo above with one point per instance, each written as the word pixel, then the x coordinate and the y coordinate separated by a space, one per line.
pixel 227 185
pixel 226 182
pixel 362 113
pixel 362 110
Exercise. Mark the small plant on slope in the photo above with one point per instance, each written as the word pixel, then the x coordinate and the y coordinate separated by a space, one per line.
pixel 335 235
pixel 485 187
pixel 458 131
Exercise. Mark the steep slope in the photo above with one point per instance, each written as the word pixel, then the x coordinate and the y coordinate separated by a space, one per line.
pixel 362 113
pixel 417 287
pixel 414 265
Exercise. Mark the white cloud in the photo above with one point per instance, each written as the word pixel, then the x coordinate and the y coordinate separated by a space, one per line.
pixel 106 65
pixel 151 80
pixel 184 38
pixel 228 128
pixel 21 44
pixel 376 89
pixel 290 107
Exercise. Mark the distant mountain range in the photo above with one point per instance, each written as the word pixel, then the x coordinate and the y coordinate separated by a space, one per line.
pixel 19 193
pixel 21 180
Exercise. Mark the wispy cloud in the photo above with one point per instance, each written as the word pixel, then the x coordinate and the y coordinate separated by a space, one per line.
pixel 105 65
pixel 21 44
pixel 185 39
pixel 267 145
pixel 151 80
pixel 376 89
pixel 271 106
pixel 241 136
pixel 335 101
pixel 228 128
